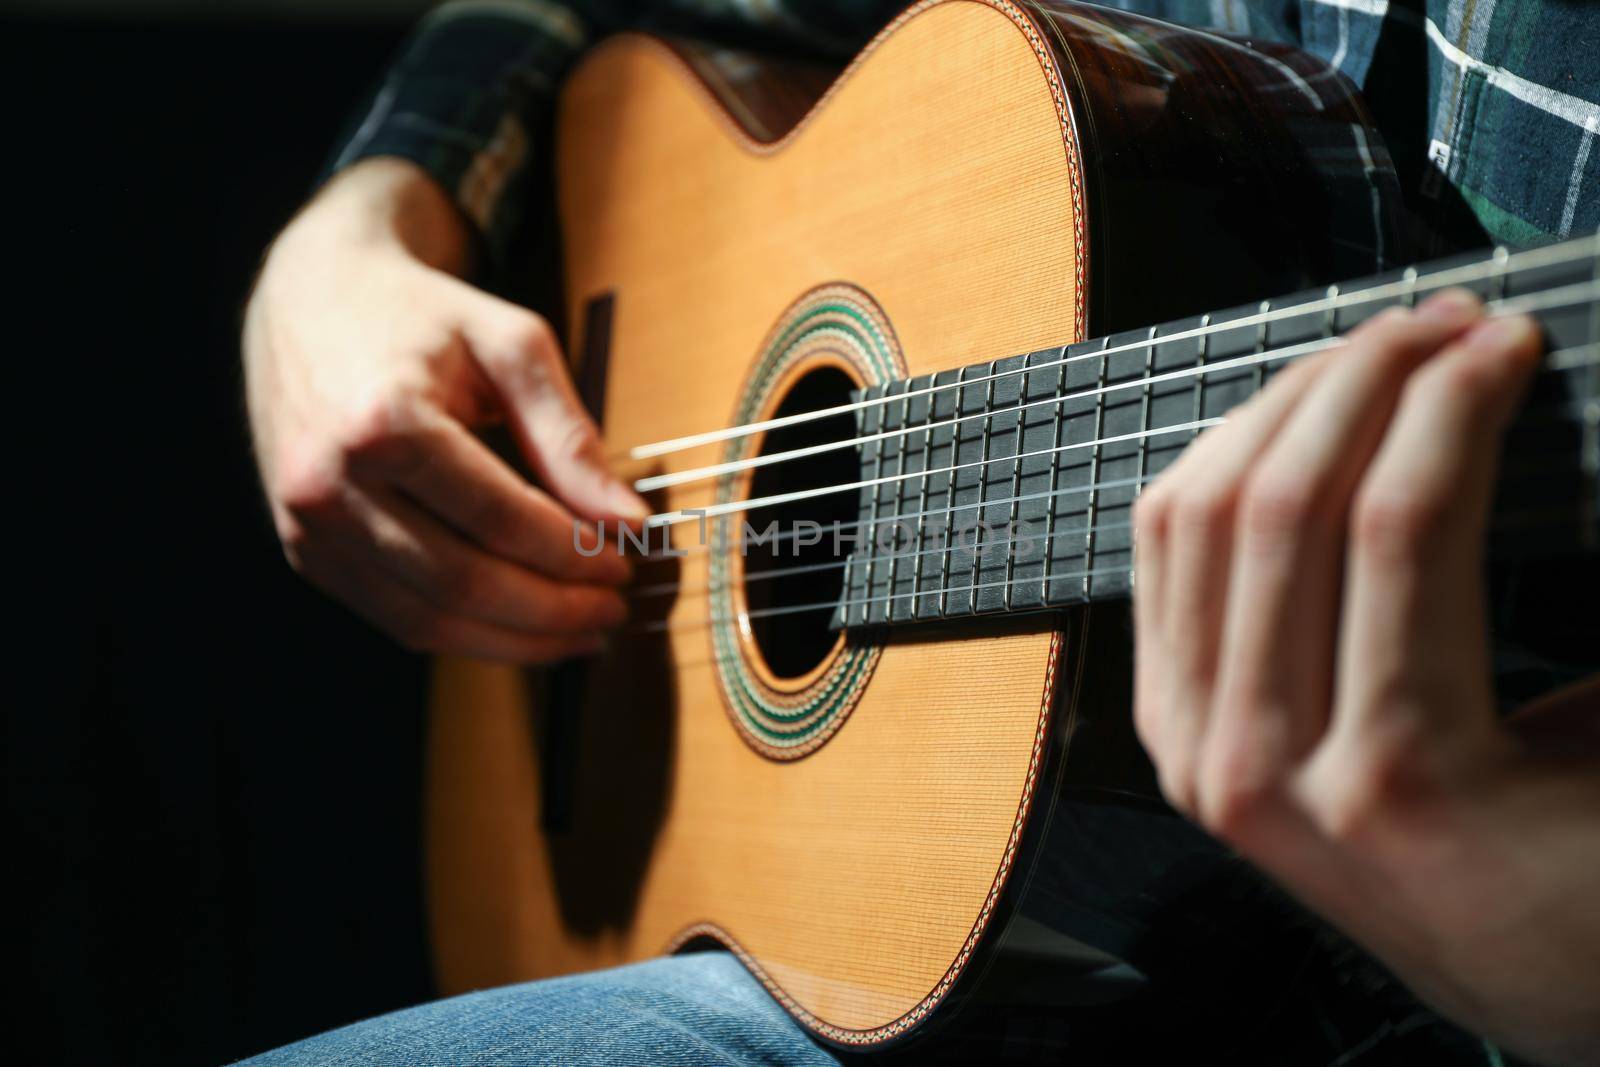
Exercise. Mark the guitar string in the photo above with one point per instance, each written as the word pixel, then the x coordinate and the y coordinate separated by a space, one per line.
pixel 1565 296
pixel 673 518
pixel 1560 360
pixel 1569 356
pixel 1501 263
pixel 919 531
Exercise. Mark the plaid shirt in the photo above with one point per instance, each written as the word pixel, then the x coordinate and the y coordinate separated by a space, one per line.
pixel 1489 107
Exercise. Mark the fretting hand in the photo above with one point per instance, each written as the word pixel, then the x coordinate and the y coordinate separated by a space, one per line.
pixel 367 362
pixel 1313 679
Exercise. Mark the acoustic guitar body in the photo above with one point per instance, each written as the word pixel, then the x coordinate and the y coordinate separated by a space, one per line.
pixel 947 822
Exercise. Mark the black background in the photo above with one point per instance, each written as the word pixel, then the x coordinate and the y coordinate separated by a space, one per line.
pixel 213 798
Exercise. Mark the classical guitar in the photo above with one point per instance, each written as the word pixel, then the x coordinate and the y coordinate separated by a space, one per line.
pixel 892 352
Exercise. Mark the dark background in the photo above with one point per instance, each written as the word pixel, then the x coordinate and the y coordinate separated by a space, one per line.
pixel 213 799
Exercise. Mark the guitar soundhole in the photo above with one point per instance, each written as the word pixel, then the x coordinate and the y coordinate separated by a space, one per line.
pixel 803 567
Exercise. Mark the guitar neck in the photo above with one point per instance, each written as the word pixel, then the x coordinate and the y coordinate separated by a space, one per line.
pixel 1009 486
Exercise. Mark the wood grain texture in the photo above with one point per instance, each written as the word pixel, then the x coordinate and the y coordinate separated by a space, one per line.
pixel 936 176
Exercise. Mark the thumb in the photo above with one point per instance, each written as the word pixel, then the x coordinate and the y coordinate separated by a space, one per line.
pixel 522 359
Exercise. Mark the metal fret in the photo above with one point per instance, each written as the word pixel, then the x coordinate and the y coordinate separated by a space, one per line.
pixel 983 490
pixel 1591 427
pixel 872 525
pixel 1055 479
pixel 1094 469
pixel 1497 276
pixel 1016 488
pixel 1408 291
pixel 894 558
pixel 922 510
pixel 1143 468
pixel 1262 343
pixel 950 500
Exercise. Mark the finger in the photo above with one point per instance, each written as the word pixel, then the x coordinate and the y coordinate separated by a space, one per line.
pixel 443 467
pixel 1276 673
pixel 398 611
pixel 521 357
pixel 455 576
pixel 1205 486
pixel 1152 513
pixel 1414 623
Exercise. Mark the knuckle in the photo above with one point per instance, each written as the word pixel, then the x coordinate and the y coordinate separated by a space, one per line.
pixel 1150 514
pixel 1178 786
pixel 1275 507
pixel 1373 794
pixel 496 520
pixel 459 584
pixel 1204 512
pixel 295 540
pixel 526 346
pixel 1232 805
pixel 578 441
pixel 418 631
pixel 381 426
pixel 1466 383
pixel 1389 525
pixel 531 334
pixel 306 484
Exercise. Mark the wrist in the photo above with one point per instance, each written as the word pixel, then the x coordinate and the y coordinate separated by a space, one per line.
pixel 389 202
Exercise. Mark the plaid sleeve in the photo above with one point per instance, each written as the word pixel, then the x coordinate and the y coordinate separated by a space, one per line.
pixel 465 99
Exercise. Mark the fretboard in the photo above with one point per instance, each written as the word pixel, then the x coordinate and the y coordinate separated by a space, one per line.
pixel 1009 486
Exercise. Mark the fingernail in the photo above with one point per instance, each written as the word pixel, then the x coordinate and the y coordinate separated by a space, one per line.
pixel 1449 305
pixel 1512 331
pixel 628 504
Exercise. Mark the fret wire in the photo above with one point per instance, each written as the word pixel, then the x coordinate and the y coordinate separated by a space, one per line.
pixel 1263 344
pixel 1497 276
pixel 922 505
pixel 950 500
pixel 1552 255
pixel 849 576
pixel 1016 480
pixel 1591 425
pixel 1408 291
pixel 1094 470
pixel 1200 359
pixel 1055 480
pixel 983 487
pixel 872 527
pixel 1143 472
pixel 905 421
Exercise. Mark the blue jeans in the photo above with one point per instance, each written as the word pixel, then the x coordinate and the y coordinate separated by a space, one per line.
pixel 698 1009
